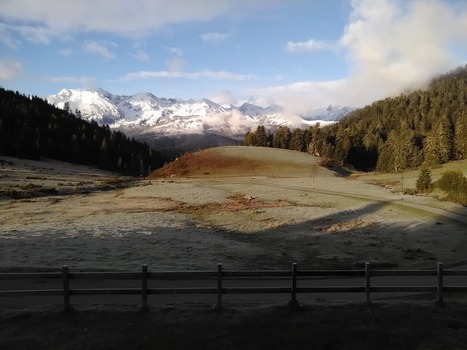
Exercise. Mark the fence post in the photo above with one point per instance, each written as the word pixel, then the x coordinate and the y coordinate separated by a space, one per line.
pixel 219 287
pixel 144 287
pixel 66 288
pixel 440 283
pixel 367 283
pixel 293 291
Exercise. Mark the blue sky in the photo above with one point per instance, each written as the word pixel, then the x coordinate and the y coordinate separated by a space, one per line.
pixel 302 54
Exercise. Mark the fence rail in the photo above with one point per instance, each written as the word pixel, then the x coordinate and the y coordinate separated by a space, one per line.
pixel 294 275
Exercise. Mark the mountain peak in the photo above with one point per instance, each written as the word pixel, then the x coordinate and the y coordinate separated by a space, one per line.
pixel 144 113
pixel 329 113
pixel 253 110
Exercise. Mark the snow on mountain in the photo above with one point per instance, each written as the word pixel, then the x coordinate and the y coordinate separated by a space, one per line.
pixel 256 111
pixel 146 114
pixel 330 113
pixel 94 104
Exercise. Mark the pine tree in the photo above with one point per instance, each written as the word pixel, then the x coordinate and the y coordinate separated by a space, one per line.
pixel 439 143
pixel 314 135
pixel 282 138
pixel 66 107
pixel 400 151
pixel 261 136
pixel 444 135
pixel 250 139
pixel 297 142
pixel 460 137
pixel 430 150
pixel 424 183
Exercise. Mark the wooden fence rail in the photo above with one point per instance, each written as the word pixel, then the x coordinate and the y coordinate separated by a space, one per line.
pixel 294 275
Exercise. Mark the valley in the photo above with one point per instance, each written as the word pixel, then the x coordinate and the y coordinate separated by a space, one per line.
pixel 269 208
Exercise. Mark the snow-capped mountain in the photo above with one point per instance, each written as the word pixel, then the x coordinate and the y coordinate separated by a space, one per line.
pixel 94 104
pixel 256 111
pixel 330 113
pixel 144 114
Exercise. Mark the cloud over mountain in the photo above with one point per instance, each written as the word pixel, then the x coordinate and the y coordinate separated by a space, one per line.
pixel 144 113
pixel 390 46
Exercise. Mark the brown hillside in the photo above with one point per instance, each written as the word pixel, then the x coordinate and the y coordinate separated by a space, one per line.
pixel 207 162
pixel 241 160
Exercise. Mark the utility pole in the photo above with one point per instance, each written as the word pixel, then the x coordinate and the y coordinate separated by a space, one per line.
pixel 313 171
pixel 402 185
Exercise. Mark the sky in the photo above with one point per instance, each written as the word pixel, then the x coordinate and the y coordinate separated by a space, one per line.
pixel 300 54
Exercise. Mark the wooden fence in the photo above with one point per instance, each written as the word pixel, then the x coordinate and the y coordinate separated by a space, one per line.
pixel 294 275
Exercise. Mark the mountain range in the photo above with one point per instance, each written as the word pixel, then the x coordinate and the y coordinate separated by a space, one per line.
pixel 146 116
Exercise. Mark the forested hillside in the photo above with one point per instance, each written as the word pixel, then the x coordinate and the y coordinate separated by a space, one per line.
pixel 425 127
pixel 32 128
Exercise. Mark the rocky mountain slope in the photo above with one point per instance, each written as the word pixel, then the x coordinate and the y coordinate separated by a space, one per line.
pixel 145 115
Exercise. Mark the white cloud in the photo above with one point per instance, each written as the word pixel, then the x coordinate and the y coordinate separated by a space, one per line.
pixel 205 74
pixel 100 49
pixel 10 34
pixel 141 55
pixel 7 38
pixel 176 51
pixel 37 35
pixel 309 46
pixel 391 46
pixel 302 96
pixel 213 37
pixel 10 69
pixel 398 45
pixel 225 98
pixel 123 17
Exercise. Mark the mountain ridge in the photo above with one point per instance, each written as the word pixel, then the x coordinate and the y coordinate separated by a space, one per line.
pixel 146 114
pixel 158 120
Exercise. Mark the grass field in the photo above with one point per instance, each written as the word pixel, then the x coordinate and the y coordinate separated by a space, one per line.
pixel 408 178
pixel 411 325
pixel 249 208
pixel 243 161
pixel 269 206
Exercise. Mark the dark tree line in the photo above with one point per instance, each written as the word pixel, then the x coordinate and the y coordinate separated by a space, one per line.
pixel 32 128
pixel 283 137
pixel 426 127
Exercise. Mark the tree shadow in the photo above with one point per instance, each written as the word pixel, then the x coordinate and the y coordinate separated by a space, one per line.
pixel 342 239
pixel 339 170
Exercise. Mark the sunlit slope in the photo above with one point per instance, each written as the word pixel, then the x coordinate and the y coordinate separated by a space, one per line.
pixel 408 178
pixel 244 161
